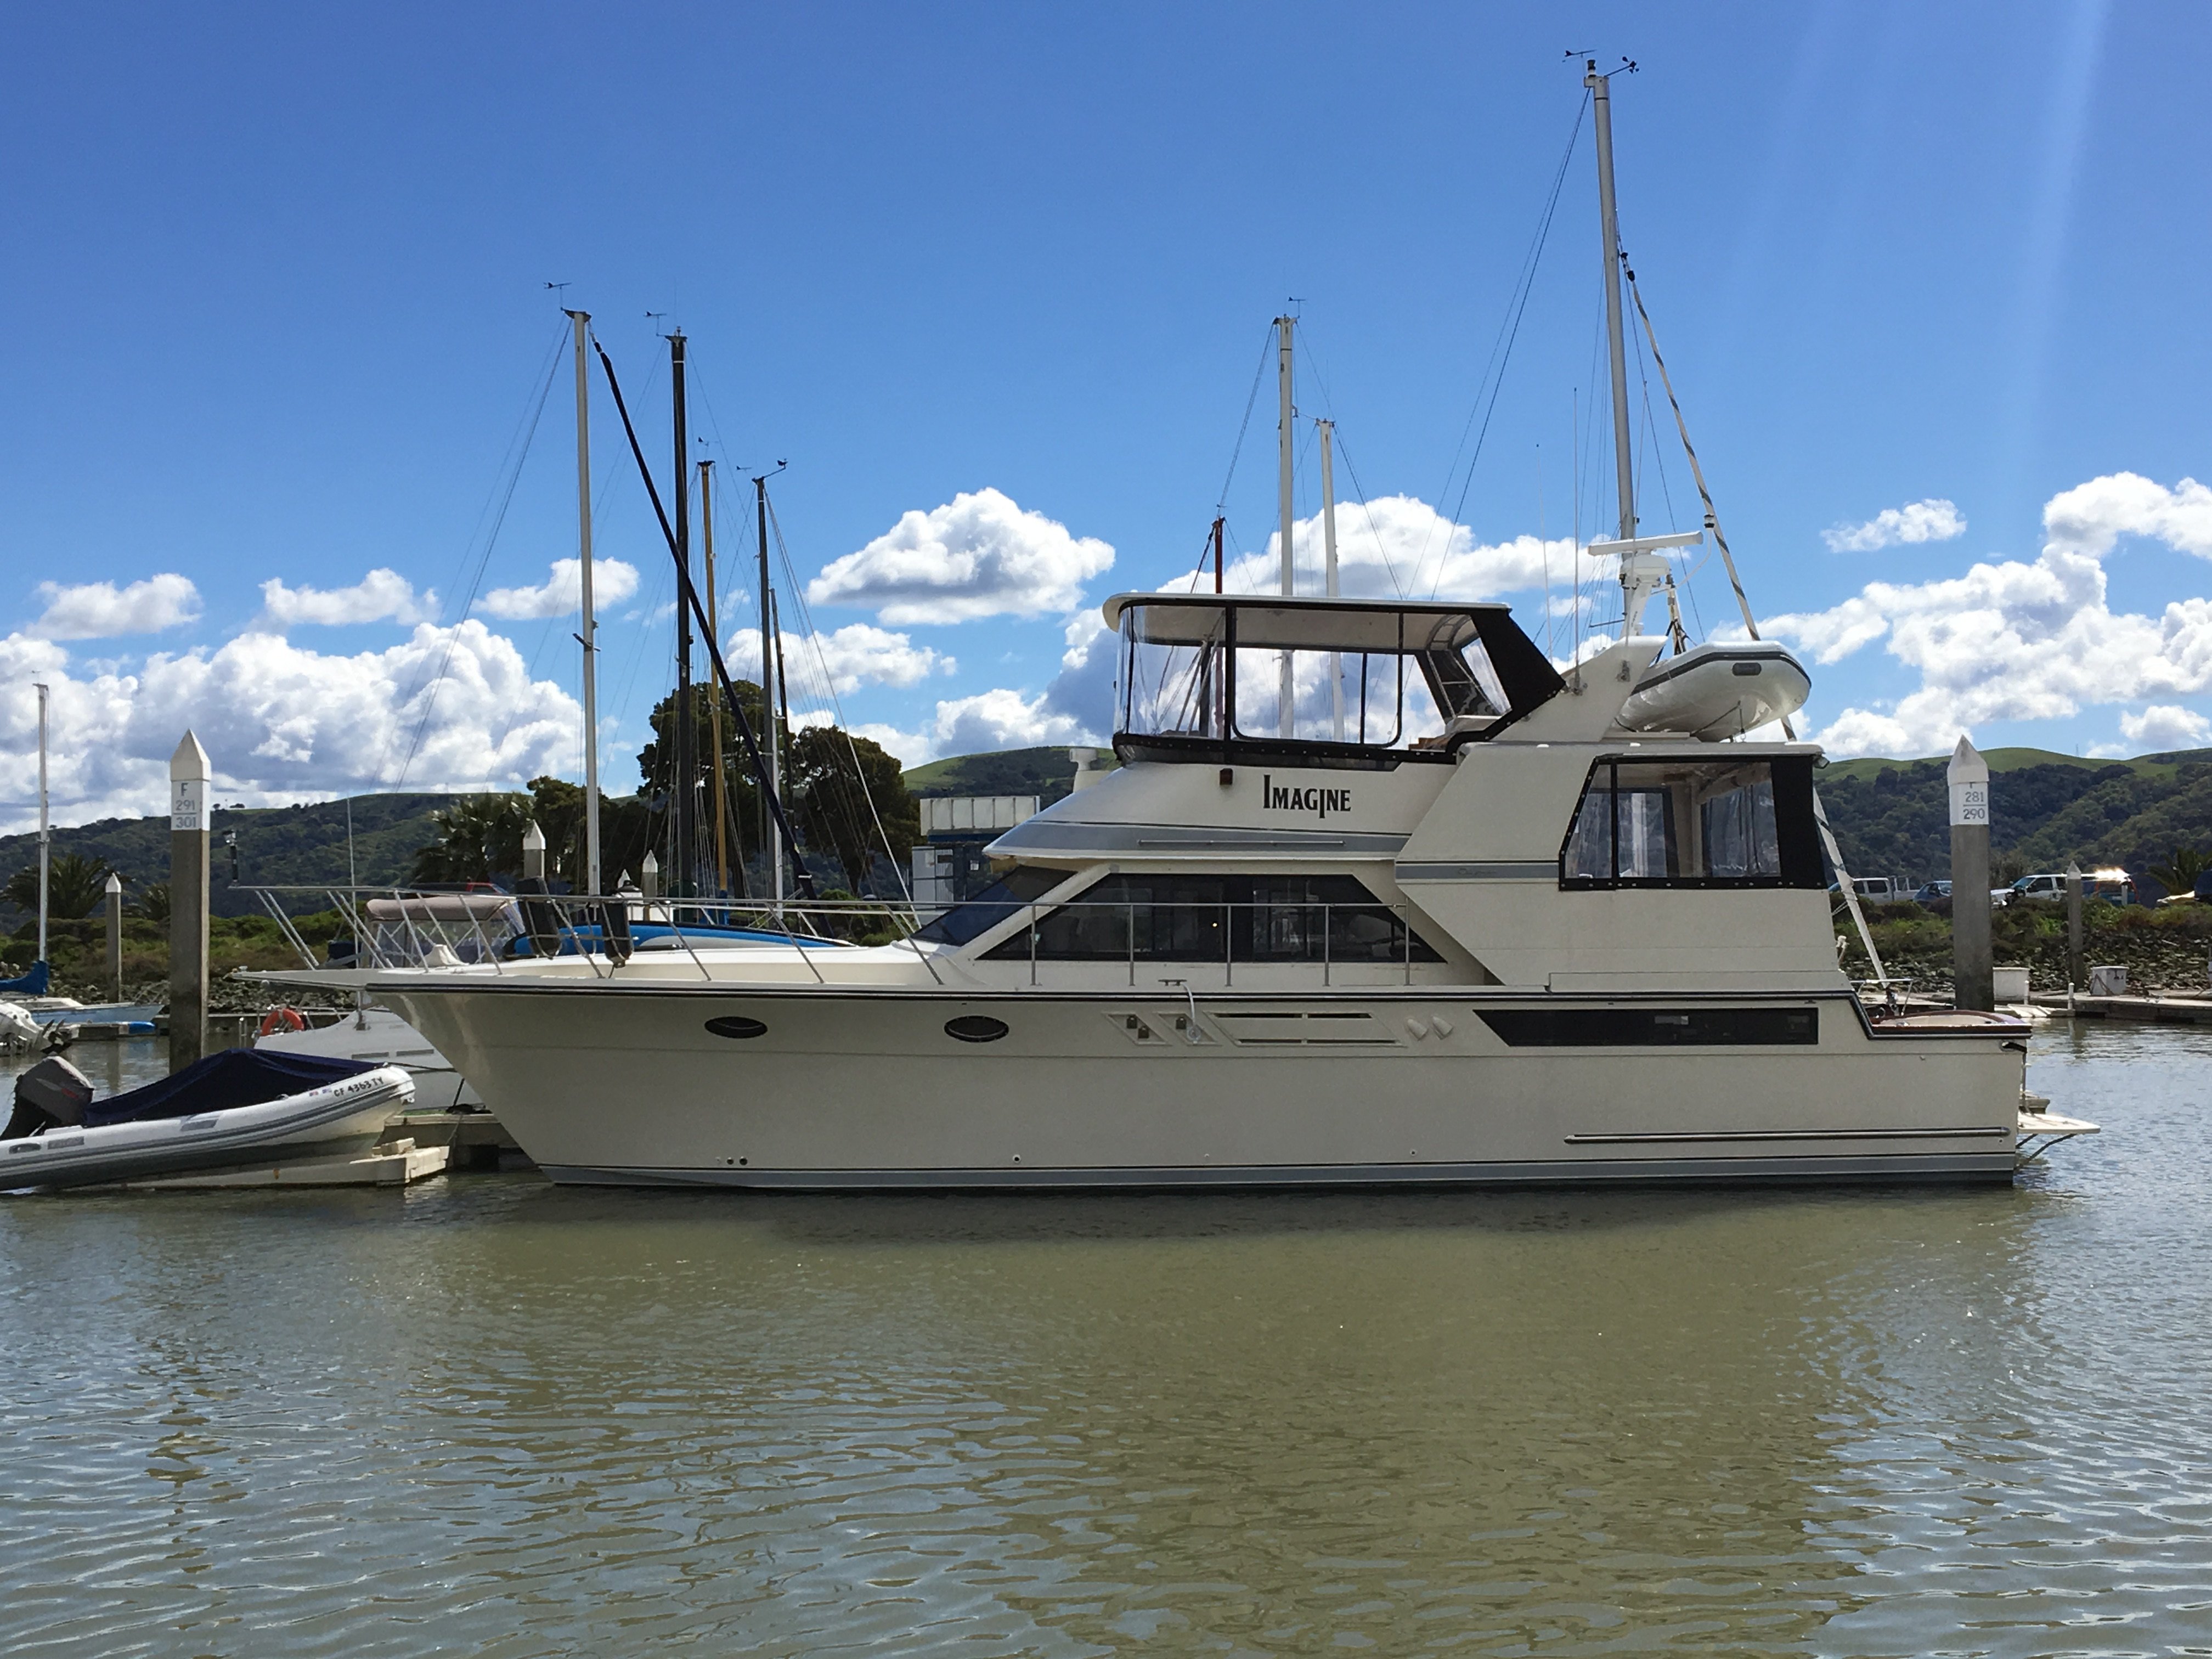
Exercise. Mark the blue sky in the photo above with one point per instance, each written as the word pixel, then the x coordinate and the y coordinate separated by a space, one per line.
pixel 279 312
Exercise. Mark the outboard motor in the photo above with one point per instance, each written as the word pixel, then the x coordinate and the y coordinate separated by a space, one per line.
pixel 51 1095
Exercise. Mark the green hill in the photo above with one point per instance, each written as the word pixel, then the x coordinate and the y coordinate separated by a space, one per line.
pixel 1892 818
pixel 1047 773
pixel 278 846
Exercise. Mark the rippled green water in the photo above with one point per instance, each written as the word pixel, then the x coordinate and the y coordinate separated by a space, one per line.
pixel 487 1416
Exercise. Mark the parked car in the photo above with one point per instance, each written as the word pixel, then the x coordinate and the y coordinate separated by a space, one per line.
pixel 1876 890
pixel 1931 891
pixel 2049 887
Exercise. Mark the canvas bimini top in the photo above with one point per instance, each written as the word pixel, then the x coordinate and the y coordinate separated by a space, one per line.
pixel 1252 677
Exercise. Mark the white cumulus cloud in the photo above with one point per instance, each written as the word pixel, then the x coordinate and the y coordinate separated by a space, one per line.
pixel 2015 640
pixel 561 593
pixel 980 555
pixel 853 656
pixel 449 708
pixel 1397 546
pixel 2166 725
pixel 1932 520
pixel 98 611
pixel 383 595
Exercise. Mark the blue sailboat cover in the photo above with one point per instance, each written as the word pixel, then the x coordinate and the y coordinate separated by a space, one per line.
pixel 32 984
pixel 235 1077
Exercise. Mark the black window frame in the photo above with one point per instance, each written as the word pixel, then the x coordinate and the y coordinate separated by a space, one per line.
pixel 1797 831
pixel 1321 926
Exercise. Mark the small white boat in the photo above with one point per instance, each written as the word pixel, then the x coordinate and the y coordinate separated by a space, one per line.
pixel 1717 692
pixel 234 1110
pixel 377 1036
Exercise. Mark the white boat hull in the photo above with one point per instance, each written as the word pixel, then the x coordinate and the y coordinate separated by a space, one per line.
pixel 864 1089
pixel 337 1119
pixel 379 1036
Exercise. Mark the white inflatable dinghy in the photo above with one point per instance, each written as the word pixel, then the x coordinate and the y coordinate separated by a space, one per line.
pixel 238 1108
pixel 1717 692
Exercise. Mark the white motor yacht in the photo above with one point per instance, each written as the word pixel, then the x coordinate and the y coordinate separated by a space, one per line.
pixel 1378 895
pixel 1490 934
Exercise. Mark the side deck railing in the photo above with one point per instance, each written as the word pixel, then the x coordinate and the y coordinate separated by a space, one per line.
pixel 414 927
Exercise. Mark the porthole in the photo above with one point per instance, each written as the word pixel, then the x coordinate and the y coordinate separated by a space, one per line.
pixel 736 1025
pixel 976 1028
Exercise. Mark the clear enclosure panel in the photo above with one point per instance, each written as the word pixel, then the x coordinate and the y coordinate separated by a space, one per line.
pixel 1172 684
pixel 1702 822
pixel 1335 696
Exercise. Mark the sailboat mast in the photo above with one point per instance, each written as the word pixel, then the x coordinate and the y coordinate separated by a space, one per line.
pixel 589 637
pixel 685 778
pixel 45 833
pixel 1286 694
pixel 1327 430
pixel 768 691
pixel 1609 229
pixel 714 708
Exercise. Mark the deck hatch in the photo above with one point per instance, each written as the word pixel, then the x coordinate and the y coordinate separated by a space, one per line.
pixel 1653 1028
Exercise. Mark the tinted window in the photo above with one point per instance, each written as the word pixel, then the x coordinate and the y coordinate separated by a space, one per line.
pixel 1001 899
pixel 1189 917
pixel 1652 1028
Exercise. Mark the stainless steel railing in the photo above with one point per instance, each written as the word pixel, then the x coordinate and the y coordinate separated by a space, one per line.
pixel 413 927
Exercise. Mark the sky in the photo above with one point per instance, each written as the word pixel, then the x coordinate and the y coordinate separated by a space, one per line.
pixel 287 433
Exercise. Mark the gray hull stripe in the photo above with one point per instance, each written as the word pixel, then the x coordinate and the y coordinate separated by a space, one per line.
pixel 1721 1137
pixel 1518 870
pixel 1994 1166
pixel 1061 836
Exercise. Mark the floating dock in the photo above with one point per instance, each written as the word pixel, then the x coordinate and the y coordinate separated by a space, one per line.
pixel 2165 1010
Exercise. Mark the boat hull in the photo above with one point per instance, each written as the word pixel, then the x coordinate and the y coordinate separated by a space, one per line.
pixel 868 1089
pixel 338 1118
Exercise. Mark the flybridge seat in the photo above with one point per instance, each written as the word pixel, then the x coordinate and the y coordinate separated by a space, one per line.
pixel 1325 682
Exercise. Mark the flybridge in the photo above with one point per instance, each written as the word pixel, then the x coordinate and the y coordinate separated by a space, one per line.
pixel 1319 682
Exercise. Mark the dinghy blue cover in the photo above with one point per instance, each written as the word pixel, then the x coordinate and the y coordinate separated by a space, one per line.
pixel 236 1076
pixel 33 984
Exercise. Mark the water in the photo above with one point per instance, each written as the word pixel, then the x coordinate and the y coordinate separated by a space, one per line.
pixel 486 1416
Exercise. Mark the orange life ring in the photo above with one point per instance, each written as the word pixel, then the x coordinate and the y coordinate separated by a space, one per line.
pixel 282 1019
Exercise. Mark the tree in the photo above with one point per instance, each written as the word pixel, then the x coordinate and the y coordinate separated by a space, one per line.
pixel 558 808
pixel 2179 875
pixel 76 884
pixel 844 786
pixel 479 837
pixel 656 764
pixel 152 903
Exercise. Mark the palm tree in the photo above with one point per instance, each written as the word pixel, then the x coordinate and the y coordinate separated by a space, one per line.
pixel 2181 875
pixel 75 884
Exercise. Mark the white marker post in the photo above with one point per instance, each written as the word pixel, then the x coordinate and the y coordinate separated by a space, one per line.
pixel 2073 928
pixel 115 935
pixel 189 839
pixel 1973 980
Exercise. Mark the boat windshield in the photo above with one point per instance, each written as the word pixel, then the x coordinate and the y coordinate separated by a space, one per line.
pixel 1216 674
pixel 1019 888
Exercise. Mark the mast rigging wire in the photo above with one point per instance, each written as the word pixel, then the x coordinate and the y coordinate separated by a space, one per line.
pixel 837 706
pixel 1501 349
pixel 688 596
pixel 1220 507
pixel 519 450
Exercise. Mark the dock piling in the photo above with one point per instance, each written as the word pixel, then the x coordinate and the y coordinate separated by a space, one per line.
pixel 2073 925
pixel 1971 963
pixel 115 936
pixel 189 847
